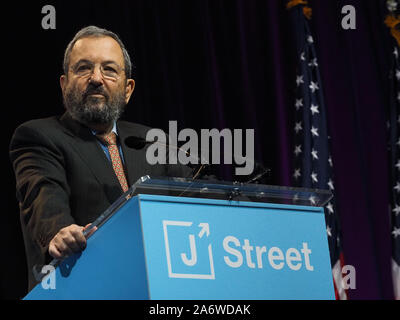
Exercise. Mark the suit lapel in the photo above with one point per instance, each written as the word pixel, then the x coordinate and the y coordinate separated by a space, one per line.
pixel 88 148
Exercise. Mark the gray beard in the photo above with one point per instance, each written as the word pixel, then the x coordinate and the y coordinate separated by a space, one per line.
pixel 91 110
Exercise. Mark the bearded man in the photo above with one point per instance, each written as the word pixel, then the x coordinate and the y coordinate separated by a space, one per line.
pixel 69 169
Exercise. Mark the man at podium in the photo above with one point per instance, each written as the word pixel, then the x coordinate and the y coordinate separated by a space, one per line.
pixel 71 168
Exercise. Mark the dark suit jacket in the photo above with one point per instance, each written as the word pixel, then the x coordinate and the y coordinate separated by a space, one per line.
pixel 63 177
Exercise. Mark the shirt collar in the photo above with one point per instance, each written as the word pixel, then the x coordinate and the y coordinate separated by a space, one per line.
pixel 114 129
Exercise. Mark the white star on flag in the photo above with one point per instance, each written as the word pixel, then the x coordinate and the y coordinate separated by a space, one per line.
pixel 330 207
pixel 314 109
pixel 313 63
pixel 298 127
pixel 396 232
pixel 299 80
pixel 297 150
pixel 398 142
pixel 330 184
pixel 299 103
pixel 330 161
pixel 397 187
pixel 398 74
pixel 396 210
pixel 310 39
pixel 312 200
pixel 314 154
pixel 398 97
pixel 396 53
pixel 314 177
pixel 313 86
pixel 398 165
pixel 329 231
pixel 314 131
pixel 297 174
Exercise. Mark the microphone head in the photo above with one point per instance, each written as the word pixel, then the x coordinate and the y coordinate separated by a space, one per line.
pixel 135 142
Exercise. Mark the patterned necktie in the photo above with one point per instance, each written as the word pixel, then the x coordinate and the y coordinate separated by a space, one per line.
pixel 111 142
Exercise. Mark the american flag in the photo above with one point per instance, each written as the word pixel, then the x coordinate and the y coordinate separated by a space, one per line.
pixel 394 127
pixel 313 166
pixel 393 21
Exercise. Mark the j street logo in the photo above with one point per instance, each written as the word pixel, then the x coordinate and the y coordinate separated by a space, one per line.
pixel 189 254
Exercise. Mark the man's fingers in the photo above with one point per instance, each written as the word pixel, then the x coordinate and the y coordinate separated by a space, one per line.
pixel 53 251
pixel 73 244
pixel 58 249
pixel 79 240
pixel 63 248
pixel 69 240
pixel 91 231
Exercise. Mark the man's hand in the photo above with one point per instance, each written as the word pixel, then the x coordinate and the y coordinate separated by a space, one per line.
pixel 69 240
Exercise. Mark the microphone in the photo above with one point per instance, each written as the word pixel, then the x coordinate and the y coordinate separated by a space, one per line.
pixel 260 171
pixel 139 143
pixel 136 142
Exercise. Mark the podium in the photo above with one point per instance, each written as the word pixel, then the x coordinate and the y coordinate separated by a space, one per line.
pixel 200 240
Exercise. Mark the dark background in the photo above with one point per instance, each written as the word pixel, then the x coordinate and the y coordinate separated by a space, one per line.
pixel 223 64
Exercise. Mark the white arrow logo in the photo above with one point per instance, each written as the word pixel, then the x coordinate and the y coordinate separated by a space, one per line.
pixel 205 228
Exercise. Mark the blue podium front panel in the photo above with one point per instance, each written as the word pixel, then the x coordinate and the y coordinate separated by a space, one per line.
pixel 161 247
pixel 215 249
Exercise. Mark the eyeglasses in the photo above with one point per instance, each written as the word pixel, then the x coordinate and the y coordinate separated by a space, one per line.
pixel 110 71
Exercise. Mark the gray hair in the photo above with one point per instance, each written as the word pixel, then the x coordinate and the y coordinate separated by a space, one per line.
pixel 93 31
